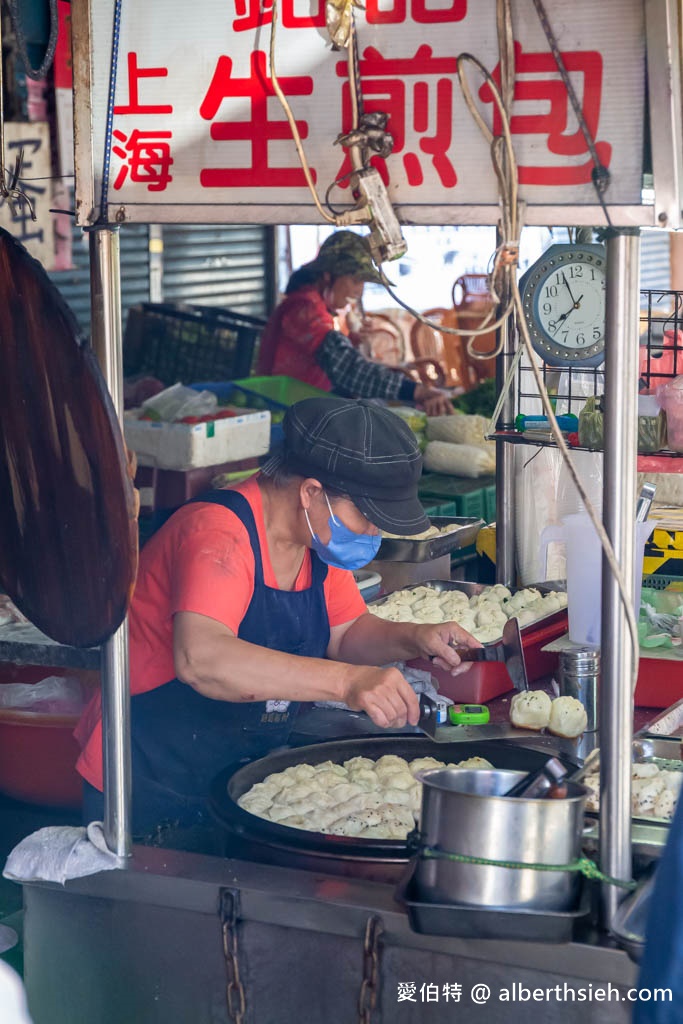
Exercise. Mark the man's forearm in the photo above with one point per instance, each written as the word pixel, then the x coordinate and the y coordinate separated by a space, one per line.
pixel 374 641
pixel 226 668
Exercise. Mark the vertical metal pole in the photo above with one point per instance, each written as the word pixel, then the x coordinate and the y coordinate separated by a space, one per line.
pixel 505 458
pixel 107 343
pixel 156 263
pixel 619 500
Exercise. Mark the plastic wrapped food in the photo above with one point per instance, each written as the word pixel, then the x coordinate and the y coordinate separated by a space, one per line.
pixel 459 459
pixel 591 428
pixel 652 431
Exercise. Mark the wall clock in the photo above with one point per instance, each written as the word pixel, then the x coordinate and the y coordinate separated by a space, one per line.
pixel 563 295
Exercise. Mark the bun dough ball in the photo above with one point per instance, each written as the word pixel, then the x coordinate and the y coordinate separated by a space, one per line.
pixel 567 717
pixel 487 634
pixel 530 709
pixel 474 762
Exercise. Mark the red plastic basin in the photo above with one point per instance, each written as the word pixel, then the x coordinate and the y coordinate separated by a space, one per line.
pixel 38 758
pixel 38 752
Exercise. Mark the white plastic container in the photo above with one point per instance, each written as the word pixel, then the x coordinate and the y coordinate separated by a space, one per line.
pixel 193 445
pixel 584 573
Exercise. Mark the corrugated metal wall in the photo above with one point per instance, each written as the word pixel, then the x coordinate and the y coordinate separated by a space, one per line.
pixel 75 284
pixel 655 259
pixel 213 265
pixel 218 265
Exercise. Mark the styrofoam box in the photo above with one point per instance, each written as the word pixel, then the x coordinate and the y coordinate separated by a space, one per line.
pixel 191 445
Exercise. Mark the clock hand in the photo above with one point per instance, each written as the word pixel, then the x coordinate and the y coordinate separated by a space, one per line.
pixel 561 319
pixel 564 278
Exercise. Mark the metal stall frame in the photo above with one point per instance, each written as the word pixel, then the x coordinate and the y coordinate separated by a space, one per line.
pixel 620 450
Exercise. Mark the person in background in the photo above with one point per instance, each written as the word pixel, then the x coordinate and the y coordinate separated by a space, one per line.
pixel 245 604
pixel 301 339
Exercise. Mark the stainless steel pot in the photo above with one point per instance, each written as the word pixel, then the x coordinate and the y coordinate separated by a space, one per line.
pixel 464 812
pixel 252 838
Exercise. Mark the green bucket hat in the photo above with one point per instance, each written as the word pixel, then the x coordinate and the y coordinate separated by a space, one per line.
pixel 345 252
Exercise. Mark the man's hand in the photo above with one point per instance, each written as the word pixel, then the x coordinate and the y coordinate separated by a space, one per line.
pixel 384 694
pixel 439 642
pixel 433 401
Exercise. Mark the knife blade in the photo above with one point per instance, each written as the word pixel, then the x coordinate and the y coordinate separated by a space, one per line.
pixel 508 650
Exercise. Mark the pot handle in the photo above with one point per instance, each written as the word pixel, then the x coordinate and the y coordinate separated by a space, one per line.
pixel 548 535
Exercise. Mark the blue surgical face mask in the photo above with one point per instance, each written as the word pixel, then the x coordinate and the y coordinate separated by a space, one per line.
pixel 346 549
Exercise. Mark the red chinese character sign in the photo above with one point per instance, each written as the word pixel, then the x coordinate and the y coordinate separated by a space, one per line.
pixel 198 133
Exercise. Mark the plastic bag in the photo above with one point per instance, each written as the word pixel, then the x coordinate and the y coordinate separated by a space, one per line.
pixel 179 401
pixel 670 398
pixel 536 482
pixel 55 695
pixel 660 622
pixel 459 459
pixel 591 424
pixel 651 425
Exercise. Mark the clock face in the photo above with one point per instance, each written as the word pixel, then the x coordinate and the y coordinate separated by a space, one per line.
pixel 564 304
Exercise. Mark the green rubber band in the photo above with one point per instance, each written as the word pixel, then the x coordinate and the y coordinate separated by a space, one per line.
pixel 584 865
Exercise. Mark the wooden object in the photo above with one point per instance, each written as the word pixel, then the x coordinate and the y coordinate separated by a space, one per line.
pixel 68 533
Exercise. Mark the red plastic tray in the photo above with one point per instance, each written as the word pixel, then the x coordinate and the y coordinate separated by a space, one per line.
pixel 540 663
pixel 486 680
pixel 660 683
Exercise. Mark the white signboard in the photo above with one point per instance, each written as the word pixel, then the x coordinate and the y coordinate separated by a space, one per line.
pixel 36 181
pixel 198 133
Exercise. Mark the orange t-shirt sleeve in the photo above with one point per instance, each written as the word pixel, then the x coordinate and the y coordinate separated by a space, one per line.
pixel 213 572
pixel 342 596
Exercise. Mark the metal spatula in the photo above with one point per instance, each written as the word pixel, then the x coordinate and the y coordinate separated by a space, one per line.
pixel 438 732
pixel 508 650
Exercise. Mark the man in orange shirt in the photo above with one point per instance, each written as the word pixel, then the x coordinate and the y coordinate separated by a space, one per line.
pixel 245 605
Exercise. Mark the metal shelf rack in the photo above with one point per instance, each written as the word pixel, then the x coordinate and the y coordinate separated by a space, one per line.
pixel 661 359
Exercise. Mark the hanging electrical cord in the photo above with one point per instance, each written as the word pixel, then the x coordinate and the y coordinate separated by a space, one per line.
pixel 600 176
pixel 46 63
pixel 330 218
pixel 338 218
pixel 506 256
pixel 509 216
pixel 368 132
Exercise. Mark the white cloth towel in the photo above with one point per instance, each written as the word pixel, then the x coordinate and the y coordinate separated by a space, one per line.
pixel 60 852
pixel 421 682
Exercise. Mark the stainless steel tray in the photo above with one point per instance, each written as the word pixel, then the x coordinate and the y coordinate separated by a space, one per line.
pixel 473 589
pixel 668 723
pixel 663 751
pixel 406 549
pixel 470 922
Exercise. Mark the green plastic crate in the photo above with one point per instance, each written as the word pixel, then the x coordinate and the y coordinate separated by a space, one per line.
pixel 283 391
pixel 450 509
pixel 490 502
pixel 468 496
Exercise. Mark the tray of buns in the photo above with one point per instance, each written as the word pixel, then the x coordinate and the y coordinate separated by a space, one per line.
pixel 481 610
pixel 656 780
pixel 445 534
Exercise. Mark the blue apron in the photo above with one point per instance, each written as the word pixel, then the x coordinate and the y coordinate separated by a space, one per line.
pixel 662 964
pixel 181 740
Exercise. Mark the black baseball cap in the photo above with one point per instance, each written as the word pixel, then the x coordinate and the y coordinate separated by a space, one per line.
pixel 362 450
